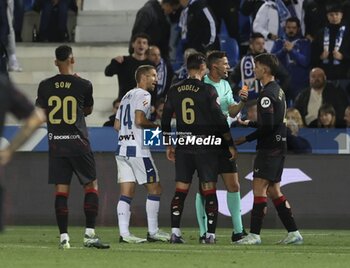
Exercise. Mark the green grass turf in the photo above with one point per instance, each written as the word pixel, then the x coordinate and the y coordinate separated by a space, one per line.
pixel 37 246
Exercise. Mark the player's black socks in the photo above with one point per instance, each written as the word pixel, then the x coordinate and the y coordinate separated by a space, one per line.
pixel 177 205
pixel 285 213
pixel 258 213
pixel 61 209
pixel 211 209
pixel 91 207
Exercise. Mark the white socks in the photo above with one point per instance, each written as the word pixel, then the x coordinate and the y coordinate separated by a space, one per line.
pixel 152 209
pixel 123 212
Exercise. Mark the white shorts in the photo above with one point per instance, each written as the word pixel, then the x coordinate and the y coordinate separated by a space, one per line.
pixel 136 169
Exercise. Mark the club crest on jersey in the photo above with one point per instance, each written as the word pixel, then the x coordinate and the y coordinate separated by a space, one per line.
pixel 265 102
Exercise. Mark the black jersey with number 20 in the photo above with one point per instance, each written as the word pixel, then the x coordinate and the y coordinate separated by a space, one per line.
pixel 64 98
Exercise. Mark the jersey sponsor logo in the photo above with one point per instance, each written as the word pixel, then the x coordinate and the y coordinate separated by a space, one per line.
pixel 289 175
pixel 265 102
pixel 51 136
pixel 127 137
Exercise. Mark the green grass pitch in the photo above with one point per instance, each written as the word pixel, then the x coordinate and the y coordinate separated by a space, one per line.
pixel 37 246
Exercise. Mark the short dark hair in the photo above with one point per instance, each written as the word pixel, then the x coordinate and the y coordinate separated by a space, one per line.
pixel 294 19
pixel 63 52
pixel 140 35
pixel 268 60
pixel 214 56
pixel 171 2
pixel 195 60
pixel 254 36
pixel 143 69
pixel 334 6
pixel 116 101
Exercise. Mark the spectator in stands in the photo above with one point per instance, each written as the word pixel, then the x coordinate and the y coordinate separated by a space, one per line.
pixel 18 17
pixel 125 66
pixel 320 92
pixel 326 116
pixel 159 111
pixel 226 11
pixel 13 65
pixel 243 73
pixel 315 17
pixel 53 19
pixel 115 105
pixel 331 47
pixel 347 117
pixel 165 72
pixel 293 52
pixel 198 26
pixel 296 9
pixel 269 20
pixel 294 114
pixel 295 143
pixel 251 7
pixel 182 73
pixel 152 20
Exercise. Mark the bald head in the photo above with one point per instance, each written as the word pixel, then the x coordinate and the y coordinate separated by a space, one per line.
pixel 153 54
pixel 317 79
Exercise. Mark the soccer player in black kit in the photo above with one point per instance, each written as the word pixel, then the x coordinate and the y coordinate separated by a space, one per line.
pixel 198 116
pixel 271 150
pixel 13 101
pixel 67 99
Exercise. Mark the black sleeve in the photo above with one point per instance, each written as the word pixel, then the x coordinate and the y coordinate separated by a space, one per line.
pixel 40 99
pixel 113 68
pixel 89 101
pixel 142 21
pixel 168 111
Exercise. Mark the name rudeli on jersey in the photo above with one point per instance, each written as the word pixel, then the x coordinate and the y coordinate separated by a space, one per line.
pixel 188 88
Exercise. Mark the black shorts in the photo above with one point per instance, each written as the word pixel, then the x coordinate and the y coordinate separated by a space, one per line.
pixel 206 165
pixel 225 165
pixel 61 169
pixel 268 167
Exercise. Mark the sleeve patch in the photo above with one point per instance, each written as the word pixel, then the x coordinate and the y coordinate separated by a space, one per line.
pixel 265 102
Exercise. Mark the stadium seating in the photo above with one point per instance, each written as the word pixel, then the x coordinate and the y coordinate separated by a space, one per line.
pixel 229 45
pixel 37 61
